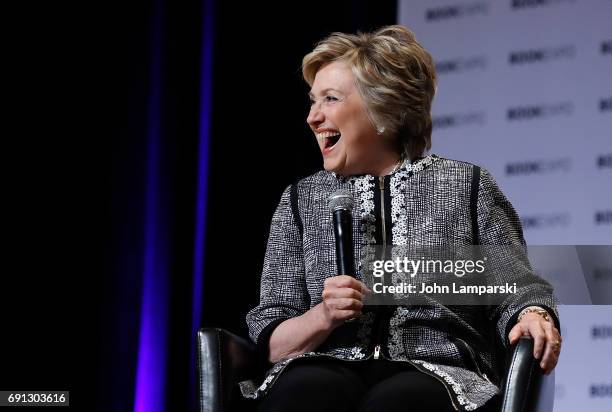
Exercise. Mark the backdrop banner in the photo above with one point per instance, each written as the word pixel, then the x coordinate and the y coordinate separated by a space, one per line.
pixel 525 90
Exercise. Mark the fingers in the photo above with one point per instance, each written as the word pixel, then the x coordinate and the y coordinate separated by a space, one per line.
pixel 346 304
pixel 539 338
pixel 341 309
pixel 332 293
pixel 546 339
pixel 531 325
pixel 548 348
pixel 343 297
pixel 553 348
pixel 346 282
pixel 515 333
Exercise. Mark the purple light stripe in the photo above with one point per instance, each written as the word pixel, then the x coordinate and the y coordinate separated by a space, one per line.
pixel 152 350
pixel 206 84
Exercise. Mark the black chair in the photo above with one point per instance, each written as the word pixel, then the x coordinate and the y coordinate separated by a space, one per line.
pixel 225 359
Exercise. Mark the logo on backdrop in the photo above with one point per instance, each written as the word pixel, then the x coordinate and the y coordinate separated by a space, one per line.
pixel 461 64
pixel 601 332
pixel 544 221
pixel 606 47
pixel 540 111
pixel 458 10
pixel 601 390
pixel 538 166
pixel 603 217
pixel 458 119
pixel 604 160
pixel 541 55
pixel 523 4
pixel 605 104
pixel 602 274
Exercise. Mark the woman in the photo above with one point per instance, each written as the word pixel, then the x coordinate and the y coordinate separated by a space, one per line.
pixel 371 98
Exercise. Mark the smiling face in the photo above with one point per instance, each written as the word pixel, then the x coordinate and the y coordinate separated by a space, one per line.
pixel 346 136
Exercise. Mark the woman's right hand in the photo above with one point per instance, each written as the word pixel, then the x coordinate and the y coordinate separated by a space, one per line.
pixel 342 299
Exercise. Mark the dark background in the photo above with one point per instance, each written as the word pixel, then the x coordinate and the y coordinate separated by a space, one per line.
pixel 76 140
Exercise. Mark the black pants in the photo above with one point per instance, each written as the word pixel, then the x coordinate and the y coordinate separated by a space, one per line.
pixel 338 386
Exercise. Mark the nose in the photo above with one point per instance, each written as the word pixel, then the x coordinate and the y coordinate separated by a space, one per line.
pixel 315 116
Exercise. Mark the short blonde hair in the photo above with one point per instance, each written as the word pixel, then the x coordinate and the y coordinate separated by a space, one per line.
pixel 395 76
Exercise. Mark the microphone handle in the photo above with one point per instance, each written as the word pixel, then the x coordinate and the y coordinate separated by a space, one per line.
pixel 343 230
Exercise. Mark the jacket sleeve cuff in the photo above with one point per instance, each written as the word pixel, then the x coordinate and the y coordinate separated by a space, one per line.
pixel 263 340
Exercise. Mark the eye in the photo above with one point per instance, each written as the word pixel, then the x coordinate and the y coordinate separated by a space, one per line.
pixel 326 99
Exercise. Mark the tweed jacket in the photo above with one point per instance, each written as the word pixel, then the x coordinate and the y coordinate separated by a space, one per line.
pixel 426 202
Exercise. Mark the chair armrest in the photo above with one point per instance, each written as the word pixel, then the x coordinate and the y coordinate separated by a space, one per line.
pixel 521 386
pixel 223 360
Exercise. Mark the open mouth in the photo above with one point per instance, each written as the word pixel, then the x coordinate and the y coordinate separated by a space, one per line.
pixel 331 141
pixel 328 139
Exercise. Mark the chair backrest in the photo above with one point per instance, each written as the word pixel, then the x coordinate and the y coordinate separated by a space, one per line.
pixel 223 359
pixel 546 401
pixel 525 388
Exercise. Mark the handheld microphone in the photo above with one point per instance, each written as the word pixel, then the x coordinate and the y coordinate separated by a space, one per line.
pixel 341 205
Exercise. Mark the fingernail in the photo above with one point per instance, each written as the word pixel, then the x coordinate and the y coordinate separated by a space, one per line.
pixel 537 355
pixel 542 365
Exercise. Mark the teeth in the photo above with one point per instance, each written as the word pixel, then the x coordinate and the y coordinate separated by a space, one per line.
pixel 324 135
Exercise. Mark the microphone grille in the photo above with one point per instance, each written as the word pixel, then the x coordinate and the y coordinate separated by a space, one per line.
pixel 341 199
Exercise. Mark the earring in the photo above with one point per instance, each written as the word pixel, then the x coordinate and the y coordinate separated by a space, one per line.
pixel 380 130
